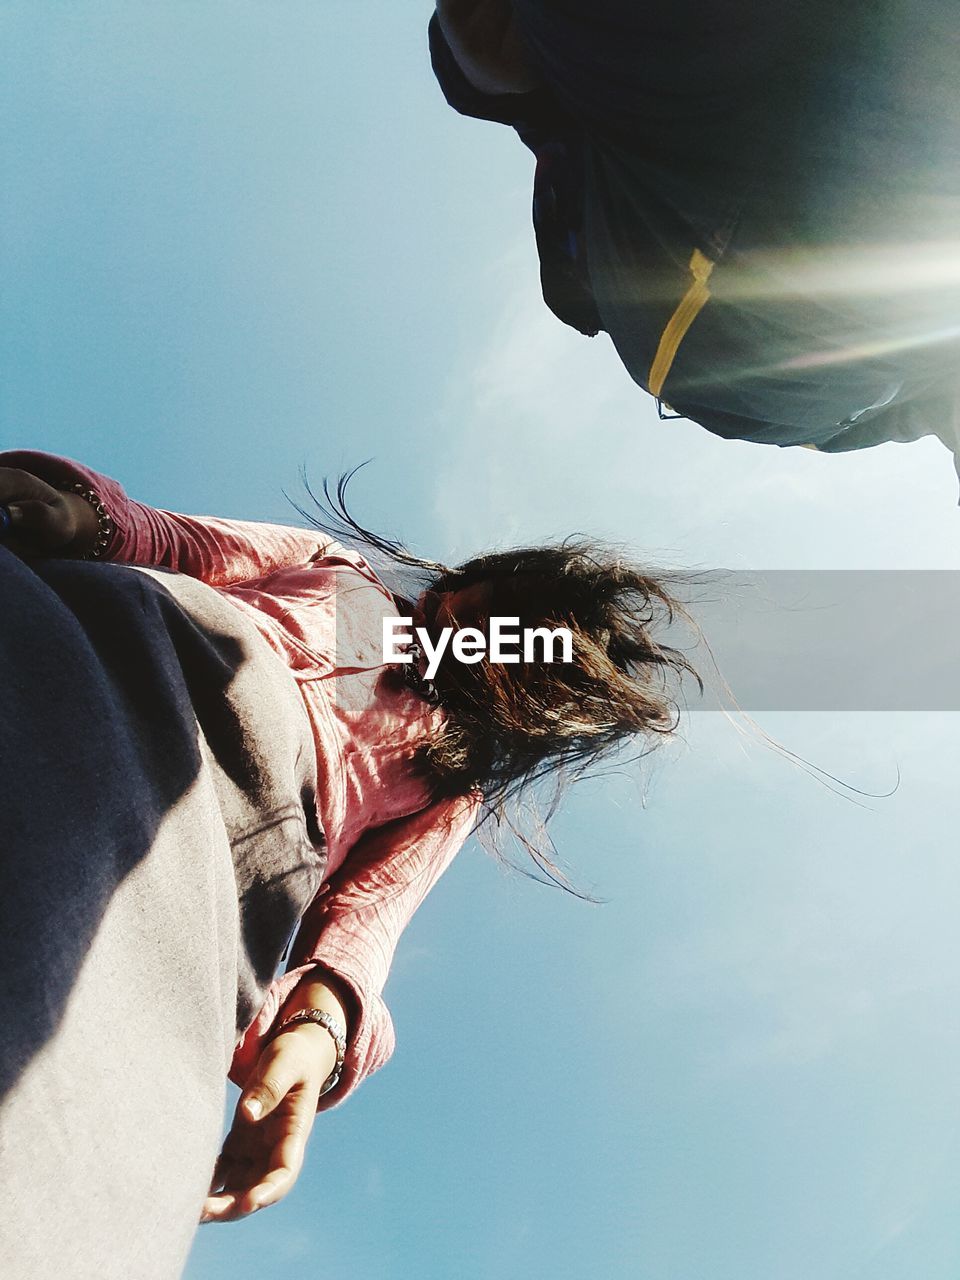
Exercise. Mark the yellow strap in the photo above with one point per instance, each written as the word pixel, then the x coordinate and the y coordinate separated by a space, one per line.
pixel 690 306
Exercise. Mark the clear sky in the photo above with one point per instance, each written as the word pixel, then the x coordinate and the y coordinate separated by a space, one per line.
pixel 237 238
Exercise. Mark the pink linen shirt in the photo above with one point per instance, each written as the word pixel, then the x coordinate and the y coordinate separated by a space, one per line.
pixel 320 606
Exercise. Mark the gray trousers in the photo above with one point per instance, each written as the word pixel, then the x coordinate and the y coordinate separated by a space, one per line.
pixel 158 843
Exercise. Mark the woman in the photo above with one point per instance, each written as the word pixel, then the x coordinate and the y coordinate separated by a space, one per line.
pixel 756 201
pixel 205 754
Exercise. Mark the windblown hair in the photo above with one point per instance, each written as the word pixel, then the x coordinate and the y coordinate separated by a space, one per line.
pixel 512 725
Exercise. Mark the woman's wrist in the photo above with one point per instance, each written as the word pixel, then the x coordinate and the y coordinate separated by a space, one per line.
pixel 319 1045
pixel 315 1013
pixel 86 526
pixel 317 990
pixel 93 525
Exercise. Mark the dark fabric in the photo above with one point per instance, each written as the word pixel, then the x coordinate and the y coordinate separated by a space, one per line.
pixel 159 844
pixel 558 209
pixel 807 151
pixel 525 112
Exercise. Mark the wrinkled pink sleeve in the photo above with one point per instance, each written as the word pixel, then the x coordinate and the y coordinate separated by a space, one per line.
pixel 353 927
pixel 352 930
pixel 218 552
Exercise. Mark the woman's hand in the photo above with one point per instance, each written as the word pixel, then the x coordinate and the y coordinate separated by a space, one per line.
pixel 263 1153
pixel 484 38
pixel 44 520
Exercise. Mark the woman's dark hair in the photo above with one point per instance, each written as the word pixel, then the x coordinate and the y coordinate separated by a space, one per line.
pixel 509 726
pixel 513 724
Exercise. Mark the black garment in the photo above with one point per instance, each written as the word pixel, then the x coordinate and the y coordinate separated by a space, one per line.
pixel 802 162
pixel 158 844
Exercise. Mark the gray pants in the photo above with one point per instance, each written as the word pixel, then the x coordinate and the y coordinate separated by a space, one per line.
pixel 158 844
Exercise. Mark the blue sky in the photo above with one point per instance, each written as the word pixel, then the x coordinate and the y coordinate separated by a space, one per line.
pixel 241 238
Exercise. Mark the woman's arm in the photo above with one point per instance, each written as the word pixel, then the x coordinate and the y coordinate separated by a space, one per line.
pixel 352 929
pixel 343 953
pixel 264 1151
pixel 218 552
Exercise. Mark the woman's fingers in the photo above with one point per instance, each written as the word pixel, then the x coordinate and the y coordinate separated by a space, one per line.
pixel 39 516
pixel 231 1171
pixel 276 1074
pixel 217 1208
pixel 34 517
pixel 265 1148
pixel 242 1187
pixel 286 1158
pixel 16 483
pixel 277 1183
pixel 44 519
pixel 285 1154
pixel 25 519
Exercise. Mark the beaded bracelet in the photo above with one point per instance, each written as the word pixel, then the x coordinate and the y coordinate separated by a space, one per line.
pixel 329 1022
pixel 105 525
